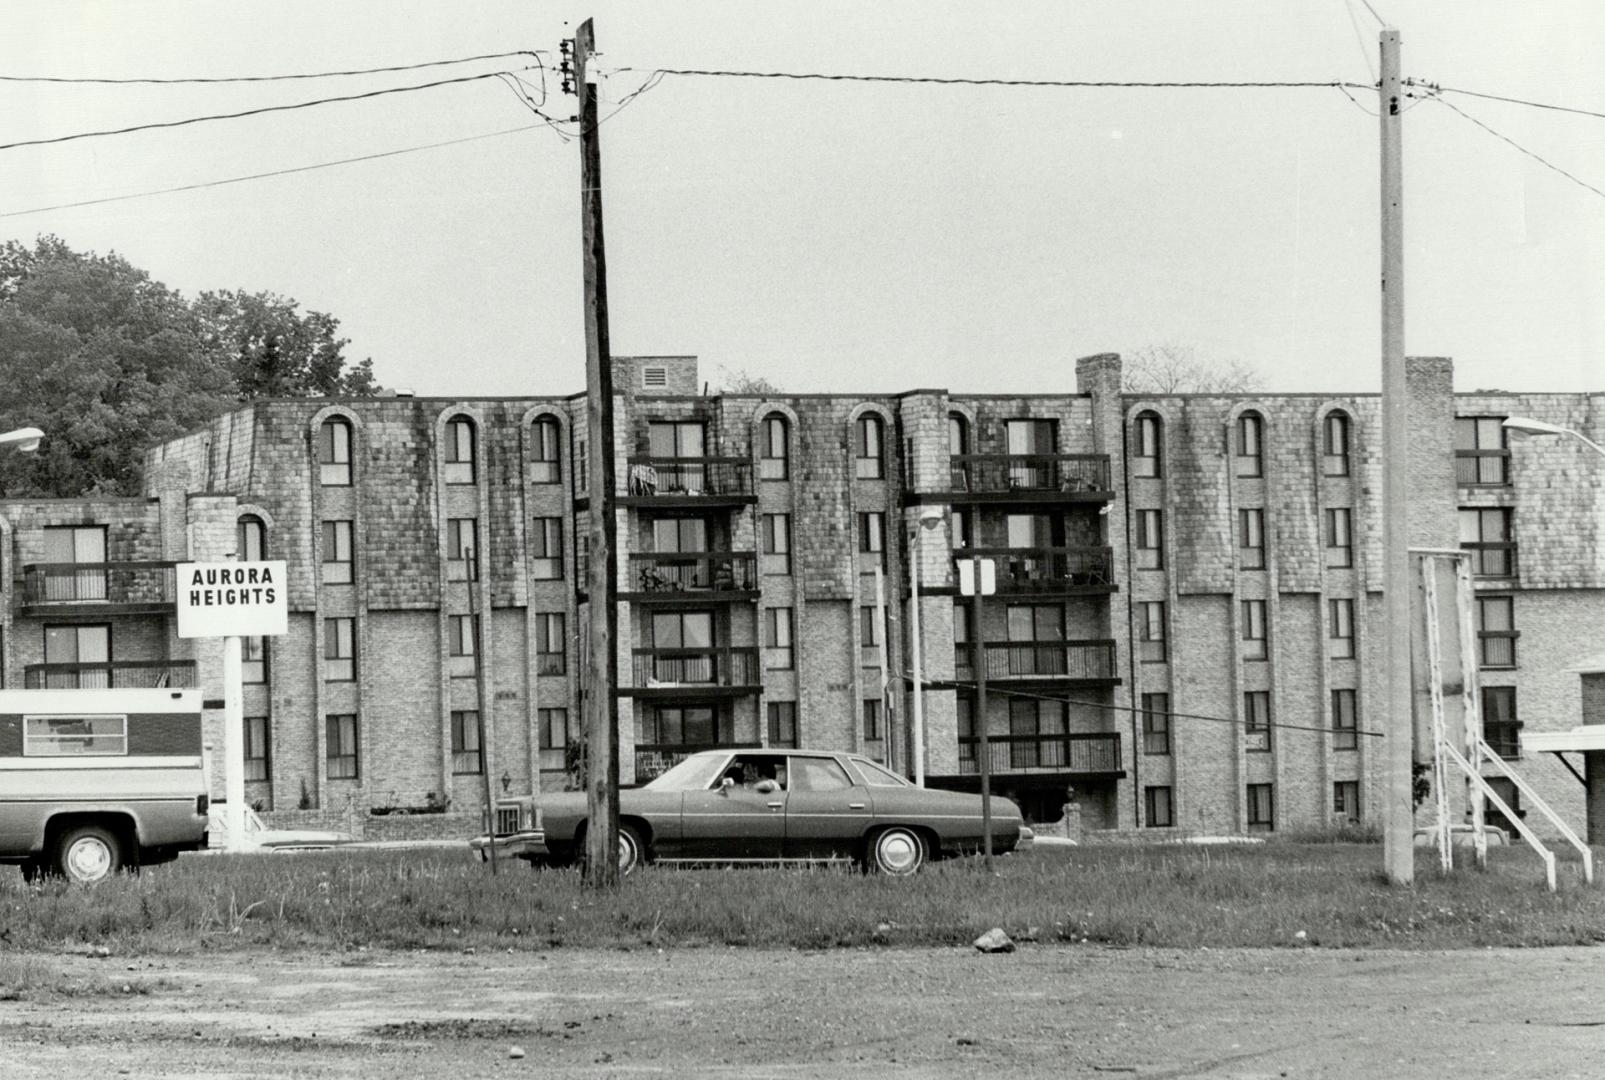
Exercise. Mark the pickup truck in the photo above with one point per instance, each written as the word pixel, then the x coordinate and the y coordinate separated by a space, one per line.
pixel 96 781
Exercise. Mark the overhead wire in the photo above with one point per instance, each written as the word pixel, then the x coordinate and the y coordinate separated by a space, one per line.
pixel 1512 142
pixel 212 79
pixel 1435 88
pixel 1042 83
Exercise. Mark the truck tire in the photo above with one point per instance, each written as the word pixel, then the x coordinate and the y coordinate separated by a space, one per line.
pixel 86 854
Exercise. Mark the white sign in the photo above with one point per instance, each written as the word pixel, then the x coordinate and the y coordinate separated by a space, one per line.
pixel 989 577
pixel 228 599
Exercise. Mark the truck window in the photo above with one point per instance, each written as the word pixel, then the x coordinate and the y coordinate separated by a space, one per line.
pixel 74 736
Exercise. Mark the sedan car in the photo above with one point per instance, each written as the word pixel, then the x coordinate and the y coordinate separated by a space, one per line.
pixel 258 837
pixel 737 806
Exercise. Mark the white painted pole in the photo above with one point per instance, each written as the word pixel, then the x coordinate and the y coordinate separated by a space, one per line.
pixel 916 648
pixel 889 735
pixel 234 743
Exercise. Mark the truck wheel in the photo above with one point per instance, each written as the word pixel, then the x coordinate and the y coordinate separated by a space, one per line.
pixel 86 854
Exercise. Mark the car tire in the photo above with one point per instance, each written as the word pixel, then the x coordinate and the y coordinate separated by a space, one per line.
pixel 86 854
pixel 632 852
pixel 896 852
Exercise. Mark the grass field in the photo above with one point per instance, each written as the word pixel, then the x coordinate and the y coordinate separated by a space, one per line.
pixel 1263 895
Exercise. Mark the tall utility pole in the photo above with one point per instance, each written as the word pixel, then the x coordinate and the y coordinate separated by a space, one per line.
pixel 601 704
pixel 1398 809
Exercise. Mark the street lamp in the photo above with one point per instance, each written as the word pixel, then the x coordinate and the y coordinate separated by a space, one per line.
pixel 24 440
pixel 929 518
pixel 1527 426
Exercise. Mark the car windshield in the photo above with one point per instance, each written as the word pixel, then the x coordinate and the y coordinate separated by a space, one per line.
pixel 692 774
pixel 875 776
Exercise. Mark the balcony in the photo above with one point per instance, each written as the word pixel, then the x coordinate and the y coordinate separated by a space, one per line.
pixel 1086 754
pixel 690 482
pixel 693 674
pixel 1050 570
pixel 1040 661
pixel 116 674
pixel 122 588
pixel 695 577
pixel 1030 478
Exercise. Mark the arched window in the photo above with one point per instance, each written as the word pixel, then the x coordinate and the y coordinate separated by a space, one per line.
pixel 459 450
pixel 1249 450
pixel 1146 449
pixel 1335 445
pixel 251 539
pixel 334 453
pixel 869 446
pixel 546 446
pixel 774 448
pixel 958 447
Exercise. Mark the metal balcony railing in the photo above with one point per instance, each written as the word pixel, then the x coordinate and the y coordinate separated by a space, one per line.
pixel 117 674
pixel 648 477
pixel 1044 568
pixel 1085 753
pixel 1001 473
pixel 676 572
pixel 1068 660
pixel 90 583
pixel 717 667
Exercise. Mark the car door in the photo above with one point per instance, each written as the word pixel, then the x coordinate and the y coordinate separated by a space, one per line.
pixel 737 820
pixel 827 811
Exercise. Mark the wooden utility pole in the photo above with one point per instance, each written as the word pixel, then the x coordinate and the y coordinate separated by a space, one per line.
pixel 1398 809
pixel 983 745
pixel 601 704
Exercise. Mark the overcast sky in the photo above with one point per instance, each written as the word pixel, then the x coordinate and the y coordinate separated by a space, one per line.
pixel 840 236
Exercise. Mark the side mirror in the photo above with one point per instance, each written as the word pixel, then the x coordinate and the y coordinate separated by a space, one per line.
pixel 725 785
pixel 766 787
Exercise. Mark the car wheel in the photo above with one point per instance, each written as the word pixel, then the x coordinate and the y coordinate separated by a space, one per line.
pixel 632 852
pixel 897 851
pixel 87 854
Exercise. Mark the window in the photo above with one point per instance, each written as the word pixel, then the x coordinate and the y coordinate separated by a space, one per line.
pixel 872 535
pixel 337 562
pixel 250 539
pixel 253 659
pixel 818 774
pixel 1156 723
pixel 78 657
pixel 1032 444
pixel 1033 725
pixel 1339 538
pixel 680 535
pixel 690 726
pixel 962 524
pixel 1496 632
pixel 1151 631
pixel 546 451
pixel 1345 720
pixel 551 643
pixel 1340 616
pixel 869 432
pixel 334 453
pixel 1487 534
pixel 339 650
pixel 774 449
pixel 553 736
pixel 1150 539
pixel 1482 452
pixel 1157 810
pixel 1255 644
pixel 777 626
pixel 258 735
pixel 340 745
pixel 1500 728
pixel 76 736
pixel 1335 445
pixel 466 757
pixel 1249 449
pixel 958 446
pixel 462 549
pixel 1251 539
pixel 1261 808
pixel 1346 800
pixel 872 720
pixel 783 723
pixel 84 545
pixel 462 644
pixel 1257 720
pixel 1035 622
pixel 868 627
pixel 459 450
pixel 1145 448
pixel 546 548
pixel 688 639
pixel 775 555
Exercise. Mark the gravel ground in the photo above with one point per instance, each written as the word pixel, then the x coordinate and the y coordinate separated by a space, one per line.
pixel 1041 1011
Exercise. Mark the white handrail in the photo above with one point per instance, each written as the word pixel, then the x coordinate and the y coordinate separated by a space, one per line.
pixel 1510 815
pixel 1542 807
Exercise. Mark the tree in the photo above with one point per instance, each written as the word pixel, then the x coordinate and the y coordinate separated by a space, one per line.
pixel 1177 369
pixel 742 381
pixel 109 362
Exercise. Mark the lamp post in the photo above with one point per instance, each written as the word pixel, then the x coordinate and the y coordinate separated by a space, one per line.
pixel 928 519
pixel 1526 426
pixel 24 440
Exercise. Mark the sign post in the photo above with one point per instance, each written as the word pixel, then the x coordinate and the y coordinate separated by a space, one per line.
pixel 231 600
pixel 978 578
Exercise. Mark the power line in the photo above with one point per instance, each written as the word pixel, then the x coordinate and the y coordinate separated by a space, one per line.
pixel 252 112
pixel 1436 89
pixel 177 81
pixel 1507 139
pixel 267 175
pixel 1045 83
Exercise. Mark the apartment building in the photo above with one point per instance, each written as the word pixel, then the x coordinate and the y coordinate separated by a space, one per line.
pixel 1184 634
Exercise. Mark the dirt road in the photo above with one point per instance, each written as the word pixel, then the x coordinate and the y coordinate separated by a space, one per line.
pixel 1043 1011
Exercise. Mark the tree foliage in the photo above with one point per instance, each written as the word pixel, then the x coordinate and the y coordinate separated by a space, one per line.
pixel 109 362
pixel 741 381
pixel 1178 369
